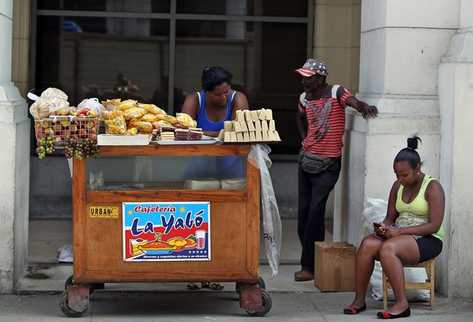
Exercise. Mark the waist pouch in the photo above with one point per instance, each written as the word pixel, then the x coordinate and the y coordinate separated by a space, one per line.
pixel 314 164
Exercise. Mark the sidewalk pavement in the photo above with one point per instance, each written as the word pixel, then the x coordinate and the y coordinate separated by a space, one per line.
pixel 214 306
pixel 173 302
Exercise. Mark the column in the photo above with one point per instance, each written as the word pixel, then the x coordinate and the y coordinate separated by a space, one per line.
pixel 337 42
pixel 401 47
pixel 14 162
pixel 456 96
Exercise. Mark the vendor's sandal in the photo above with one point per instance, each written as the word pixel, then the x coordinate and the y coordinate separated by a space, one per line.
pixel 193 286
pixel 212 286
pixel 350 309
pixel 385 315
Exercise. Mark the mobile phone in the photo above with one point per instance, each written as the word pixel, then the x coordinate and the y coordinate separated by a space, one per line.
pixel 376 225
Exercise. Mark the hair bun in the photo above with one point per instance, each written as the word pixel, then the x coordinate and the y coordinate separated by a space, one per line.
pixel 413 142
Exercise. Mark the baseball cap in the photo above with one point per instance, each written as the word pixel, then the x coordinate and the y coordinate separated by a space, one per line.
pixel 311 67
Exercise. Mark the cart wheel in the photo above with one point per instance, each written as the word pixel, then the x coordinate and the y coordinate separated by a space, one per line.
pixel 261 283
pixel 265 308
pixel 69 281
pixel 64 305
pixel 237 287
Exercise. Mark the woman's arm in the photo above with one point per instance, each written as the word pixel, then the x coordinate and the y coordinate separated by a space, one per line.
pixel 191 105
pixel 436 199
pixel 392 214
pixel 240 102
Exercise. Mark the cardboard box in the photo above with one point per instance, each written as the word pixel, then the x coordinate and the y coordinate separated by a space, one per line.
pixel 334 266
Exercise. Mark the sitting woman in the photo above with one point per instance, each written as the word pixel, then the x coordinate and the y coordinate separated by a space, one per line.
pixel 411 232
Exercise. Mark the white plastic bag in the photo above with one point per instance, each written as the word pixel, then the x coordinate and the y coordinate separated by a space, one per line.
pixel 271 220
pixel 92 104
pixel 376 212
pixel 65 254
pixel 50 101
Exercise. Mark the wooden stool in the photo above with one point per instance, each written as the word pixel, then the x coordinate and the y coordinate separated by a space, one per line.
pixel 429 283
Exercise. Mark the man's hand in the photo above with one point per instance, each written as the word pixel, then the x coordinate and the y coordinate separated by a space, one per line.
pixel 369 111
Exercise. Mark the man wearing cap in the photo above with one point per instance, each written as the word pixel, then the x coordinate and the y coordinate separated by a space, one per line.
pixel 321 124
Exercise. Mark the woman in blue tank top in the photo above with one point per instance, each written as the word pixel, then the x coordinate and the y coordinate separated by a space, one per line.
pixel 211 107
pixel 216 102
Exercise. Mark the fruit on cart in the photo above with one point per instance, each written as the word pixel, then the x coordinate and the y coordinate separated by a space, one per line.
pixel 80 148
pixel 86 112
pixel 45 146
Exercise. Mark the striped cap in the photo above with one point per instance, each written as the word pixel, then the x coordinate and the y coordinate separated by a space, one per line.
pixel 312 67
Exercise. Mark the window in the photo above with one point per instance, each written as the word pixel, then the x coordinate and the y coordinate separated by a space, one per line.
pixel 154 51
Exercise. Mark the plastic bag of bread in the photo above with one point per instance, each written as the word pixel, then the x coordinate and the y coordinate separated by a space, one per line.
pixel 150 117
pixel 50 100
pixel 39 111
pixel 143 127
pixel 186 120
pixel 44 107
pixel 159 124
pixel 132 131
pixel 114 122
pixel 170 119
pixel 134 113
pixel 52 92
pixel 111 104
pixel 125 105
pixel 151 108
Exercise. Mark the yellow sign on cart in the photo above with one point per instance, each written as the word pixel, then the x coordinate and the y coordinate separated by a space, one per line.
pixel 106 212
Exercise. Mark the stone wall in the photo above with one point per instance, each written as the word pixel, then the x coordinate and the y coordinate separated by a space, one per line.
pixel 401 48
pixel 14 163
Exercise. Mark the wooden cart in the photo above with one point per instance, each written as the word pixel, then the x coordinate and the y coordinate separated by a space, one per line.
pixel 235 226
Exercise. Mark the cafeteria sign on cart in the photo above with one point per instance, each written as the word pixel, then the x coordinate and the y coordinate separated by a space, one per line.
pixel 166 231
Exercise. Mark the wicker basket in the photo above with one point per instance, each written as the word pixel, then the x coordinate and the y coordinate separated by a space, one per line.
pixel 66 127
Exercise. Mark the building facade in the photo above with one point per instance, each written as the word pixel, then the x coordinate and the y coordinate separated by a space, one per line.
pixel 413 61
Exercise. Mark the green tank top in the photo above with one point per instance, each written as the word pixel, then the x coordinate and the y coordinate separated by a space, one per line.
pixel 417 211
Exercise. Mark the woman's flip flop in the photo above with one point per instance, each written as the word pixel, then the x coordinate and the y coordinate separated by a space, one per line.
pixel 385 315
pixel 350 309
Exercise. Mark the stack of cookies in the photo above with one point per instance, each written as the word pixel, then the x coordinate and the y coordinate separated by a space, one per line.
pixel 167 134
pixel 251 127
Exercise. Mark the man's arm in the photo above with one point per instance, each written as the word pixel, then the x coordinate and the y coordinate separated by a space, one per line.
pixel 368 111
pixel 301 121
